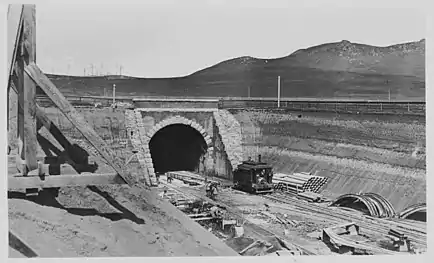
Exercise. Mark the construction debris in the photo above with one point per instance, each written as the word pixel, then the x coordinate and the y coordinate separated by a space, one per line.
pixel 400 241
pixel 346 239
pixel 310 197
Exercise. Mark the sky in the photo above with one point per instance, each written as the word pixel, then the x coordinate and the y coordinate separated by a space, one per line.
pixel 170 38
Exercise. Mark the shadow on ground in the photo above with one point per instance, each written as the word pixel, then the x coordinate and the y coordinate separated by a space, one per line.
pixel 47 197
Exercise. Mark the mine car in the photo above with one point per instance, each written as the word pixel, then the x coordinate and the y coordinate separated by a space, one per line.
pixel 254 177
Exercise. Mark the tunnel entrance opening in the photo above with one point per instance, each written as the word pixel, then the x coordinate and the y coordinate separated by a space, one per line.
pixel 177 147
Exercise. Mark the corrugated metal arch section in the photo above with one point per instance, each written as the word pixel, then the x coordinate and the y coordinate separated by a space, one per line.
pixel 413 209
pixel 377 205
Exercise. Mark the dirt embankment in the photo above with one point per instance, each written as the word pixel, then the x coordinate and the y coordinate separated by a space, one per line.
pixel 108 221
pixel 382 154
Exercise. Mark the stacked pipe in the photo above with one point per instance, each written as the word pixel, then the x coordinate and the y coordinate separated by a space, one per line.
pixel 315 183
pixel 299 182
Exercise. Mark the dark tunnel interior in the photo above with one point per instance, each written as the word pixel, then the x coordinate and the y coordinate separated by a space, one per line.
pixel 177 147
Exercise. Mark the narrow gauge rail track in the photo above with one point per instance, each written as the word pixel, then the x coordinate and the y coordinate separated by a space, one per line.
pixel 415 231
pixel 344 215
pixel 369 224
pixel 258 230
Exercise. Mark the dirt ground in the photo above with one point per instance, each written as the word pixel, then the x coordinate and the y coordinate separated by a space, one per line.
pixel 108 221
pixel 251 207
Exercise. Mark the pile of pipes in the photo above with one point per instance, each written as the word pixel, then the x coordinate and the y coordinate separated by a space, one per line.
pixel 299 182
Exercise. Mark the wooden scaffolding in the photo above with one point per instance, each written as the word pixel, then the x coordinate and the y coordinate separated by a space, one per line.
pixel 27 79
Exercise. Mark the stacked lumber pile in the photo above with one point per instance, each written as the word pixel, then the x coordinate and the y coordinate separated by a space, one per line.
pixel 310 197
pixel 188 177
pixel 299 182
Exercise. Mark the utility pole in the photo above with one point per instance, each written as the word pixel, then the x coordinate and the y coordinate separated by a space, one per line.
pixel 114 93
pixel 248 92
pixel 120 70
pixel 389 94
pixel 278 92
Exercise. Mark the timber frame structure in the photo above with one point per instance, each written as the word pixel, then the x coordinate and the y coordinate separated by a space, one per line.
pixel 26 79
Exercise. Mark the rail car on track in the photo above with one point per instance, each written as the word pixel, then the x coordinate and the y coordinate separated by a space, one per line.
pixel 254 177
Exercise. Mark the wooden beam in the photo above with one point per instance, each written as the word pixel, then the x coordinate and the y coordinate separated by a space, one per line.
pixel 26 118
pixel 29 39
pixel 27 96
pixel 19 245
pixel 53 159
pixel 22 182
pixel 130 159
pixel 79 122
pixel 44 121
pixel 15 20
pixel 19 84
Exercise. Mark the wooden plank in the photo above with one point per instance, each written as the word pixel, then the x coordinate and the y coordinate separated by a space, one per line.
pixel 19 84
pixel 27 93
pixel 30 133
pixel 29 32
pixel 52 159
pixel 202 218
pixel 19 245
pixel 15 20
pixel 23 182
pixel 79 122
pixel 44 121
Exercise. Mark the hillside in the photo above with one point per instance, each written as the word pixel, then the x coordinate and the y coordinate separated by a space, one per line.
pixel 341 69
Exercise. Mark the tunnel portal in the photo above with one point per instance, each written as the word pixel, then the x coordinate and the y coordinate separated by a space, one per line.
pixel 177 147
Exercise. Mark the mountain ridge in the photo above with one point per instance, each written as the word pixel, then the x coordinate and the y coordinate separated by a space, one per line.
pixel 338 69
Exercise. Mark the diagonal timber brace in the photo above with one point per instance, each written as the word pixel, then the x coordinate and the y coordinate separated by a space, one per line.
pixel 78 121
pixel 44 121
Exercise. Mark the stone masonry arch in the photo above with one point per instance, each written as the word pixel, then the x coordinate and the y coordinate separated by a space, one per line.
pixel 176 120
